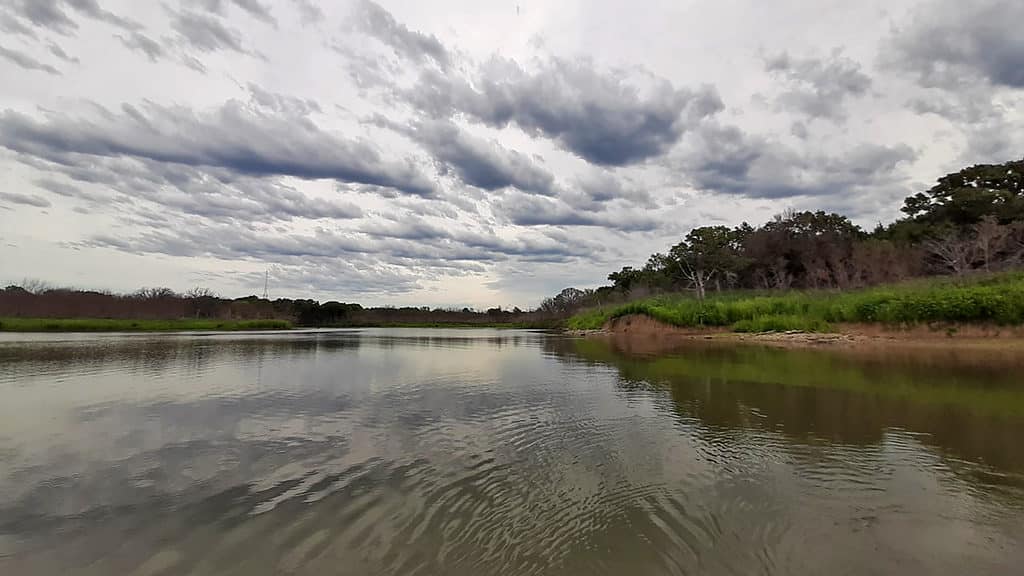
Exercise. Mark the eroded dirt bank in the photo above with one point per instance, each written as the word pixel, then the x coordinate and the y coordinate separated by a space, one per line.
pixel 643 332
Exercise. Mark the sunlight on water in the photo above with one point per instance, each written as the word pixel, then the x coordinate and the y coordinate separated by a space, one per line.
pixel 500 452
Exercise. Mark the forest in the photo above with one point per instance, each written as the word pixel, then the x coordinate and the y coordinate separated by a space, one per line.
pixel 971 221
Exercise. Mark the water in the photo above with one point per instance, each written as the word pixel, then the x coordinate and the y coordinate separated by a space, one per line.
pixel 484 452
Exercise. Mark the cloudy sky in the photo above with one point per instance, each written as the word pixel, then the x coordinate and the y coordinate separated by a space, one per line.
pixel 461 152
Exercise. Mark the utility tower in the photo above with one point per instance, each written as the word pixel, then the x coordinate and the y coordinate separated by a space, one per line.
pixel 266 284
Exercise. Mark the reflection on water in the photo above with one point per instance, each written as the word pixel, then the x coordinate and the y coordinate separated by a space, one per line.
pixel 487 452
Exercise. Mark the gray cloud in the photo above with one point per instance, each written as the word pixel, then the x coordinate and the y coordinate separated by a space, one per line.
pixel 449 252
pixel 951 43
pixel 725 160
pixel 142 43
pixel 534 211
pixel 11 25
pixel 254 8
pixel 477 162
pixel 597 116
pixel 281 104
pixel 64 189
pixel 211 194
pixel 966 56
pixel 93 10
pixel 818 87
pixel 410 227
pixel 60 53
pixel 51 14
pixel 47 14
pixel 593 190
pixel 27 62
pixel 206 33
pixel 235 137
pixel 409 44
pixel 25 199
pixel 606 117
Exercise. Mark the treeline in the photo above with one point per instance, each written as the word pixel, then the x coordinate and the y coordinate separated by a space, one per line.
pixel 36 300
pixel 972 220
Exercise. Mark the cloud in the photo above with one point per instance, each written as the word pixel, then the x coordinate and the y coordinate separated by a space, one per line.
pixel 142 43
pixel 818 87
pixel 254 8
pixel 243 139
pixel 594 189
pixel 206 33
pixel 524 210
pixel 950 43
pixel 51 14
pixel 610 118
pixel 725 160
pixel 597 116
pixel 60 53
pixel 411 45
pixel 426 256
pixel 968 58
pixel 11 25
pixel 475 161
pixel 26 199
pixel 46 14
pixel 281 104
pixel 93 10
pixel 27 62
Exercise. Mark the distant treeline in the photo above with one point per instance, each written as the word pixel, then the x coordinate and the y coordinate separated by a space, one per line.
pixel 972 220
pixel 35 300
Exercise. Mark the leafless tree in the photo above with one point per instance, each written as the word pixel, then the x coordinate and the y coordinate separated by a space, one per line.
pixel 953 251
pixel 990 239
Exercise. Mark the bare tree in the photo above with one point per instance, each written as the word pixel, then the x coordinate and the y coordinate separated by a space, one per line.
pixel 36 286
pixel 953 251
pixel 990 239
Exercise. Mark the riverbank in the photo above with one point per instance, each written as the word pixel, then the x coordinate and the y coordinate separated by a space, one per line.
pixel 136 325
pixel 995 301
pixel 186 325
pixel 643 334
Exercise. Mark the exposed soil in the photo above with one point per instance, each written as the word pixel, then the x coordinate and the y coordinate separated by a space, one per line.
pixel 643 332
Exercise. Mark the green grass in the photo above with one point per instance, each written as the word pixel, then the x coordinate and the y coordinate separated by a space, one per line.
pixel 128 325
pixel 995 299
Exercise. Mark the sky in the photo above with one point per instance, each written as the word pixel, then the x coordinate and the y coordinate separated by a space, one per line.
pixel 469 153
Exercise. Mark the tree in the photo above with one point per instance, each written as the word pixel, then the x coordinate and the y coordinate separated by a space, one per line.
pixel 159 293
pixel 565 302
pixel 953 251
pixel 964 198
pixel 989 239
pixel 625 279
pixel 707 253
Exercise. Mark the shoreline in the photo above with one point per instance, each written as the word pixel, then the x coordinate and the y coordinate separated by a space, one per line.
pixel 71 325
pixel 100 325
pixel 640 329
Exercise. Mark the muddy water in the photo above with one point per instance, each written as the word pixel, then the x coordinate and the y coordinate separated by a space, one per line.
pixel 487 452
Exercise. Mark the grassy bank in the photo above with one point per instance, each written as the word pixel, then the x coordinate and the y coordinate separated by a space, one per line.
pixel 996 299
pixel 129 325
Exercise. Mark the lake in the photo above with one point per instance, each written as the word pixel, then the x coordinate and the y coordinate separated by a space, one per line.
pixel 484 452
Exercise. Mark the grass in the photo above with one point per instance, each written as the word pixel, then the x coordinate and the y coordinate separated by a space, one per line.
pixel 129 325
pixel 993 299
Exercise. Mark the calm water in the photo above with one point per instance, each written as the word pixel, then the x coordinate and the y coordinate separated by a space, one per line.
pixel 483 452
